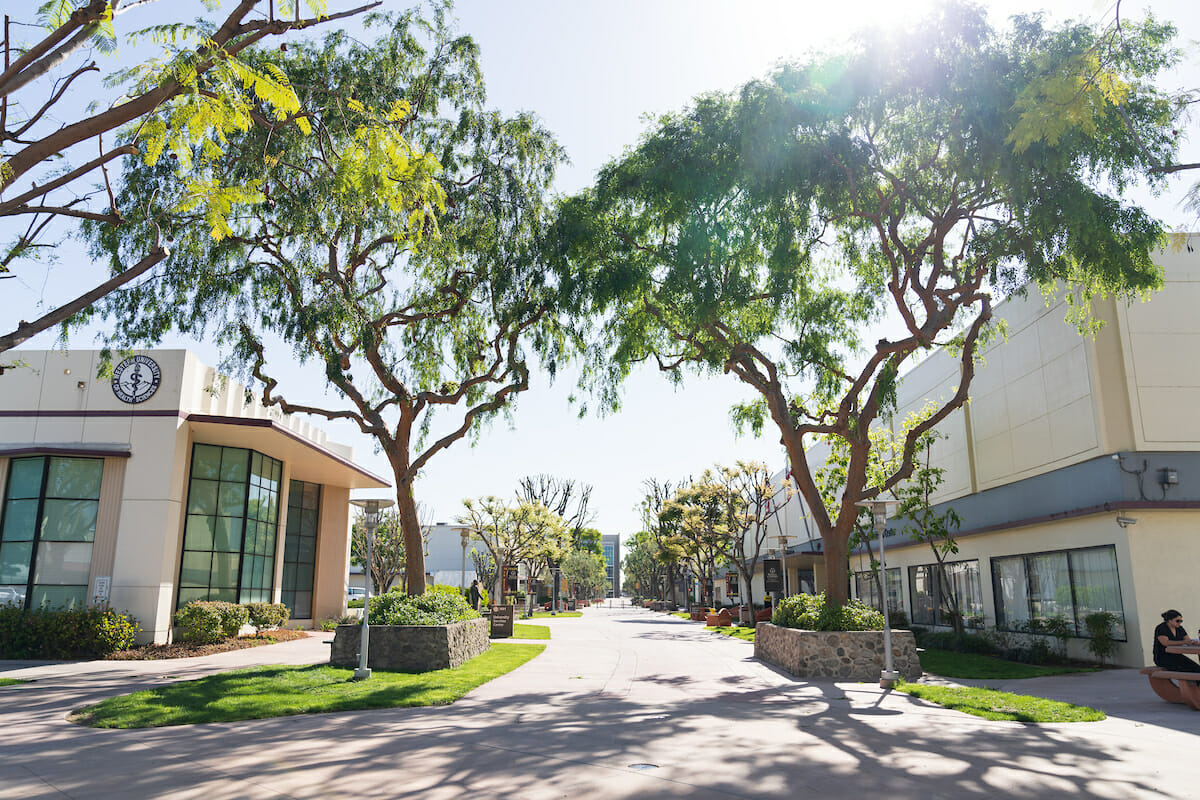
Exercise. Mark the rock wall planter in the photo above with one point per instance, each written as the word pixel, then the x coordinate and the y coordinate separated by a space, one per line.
pixel 412 648
pixel 840 655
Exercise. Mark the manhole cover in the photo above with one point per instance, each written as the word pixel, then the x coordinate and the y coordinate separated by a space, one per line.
pixel 643 766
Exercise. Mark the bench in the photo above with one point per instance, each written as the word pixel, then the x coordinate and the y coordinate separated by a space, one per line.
pixel 719 620
pixel 1184 691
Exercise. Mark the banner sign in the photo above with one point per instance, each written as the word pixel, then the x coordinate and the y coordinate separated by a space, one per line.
pixel 510 579
pixel 772 575
pixel 731 585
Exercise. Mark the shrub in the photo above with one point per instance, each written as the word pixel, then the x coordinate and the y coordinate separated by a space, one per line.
pixel 898 620
pixel 64 634
pixel 431 608
pixel 210 621
pixel 267 615
pixel 1100 626
pixel 810 612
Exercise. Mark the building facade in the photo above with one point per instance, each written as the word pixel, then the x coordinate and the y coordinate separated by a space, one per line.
pixel 610 544
pixel 162 485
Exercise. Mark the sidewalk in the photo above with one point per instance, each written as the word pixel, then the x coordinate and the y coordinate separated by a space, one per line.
pixel 623 703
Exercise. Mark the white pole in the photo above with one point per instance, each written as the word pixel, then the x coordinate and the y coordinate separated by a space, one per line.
pixel 888 679
pixel 363 672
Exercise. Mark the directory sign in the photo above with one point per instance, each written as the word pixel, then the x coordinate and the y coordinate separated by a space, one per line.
pixel 502 622
pixel 772 575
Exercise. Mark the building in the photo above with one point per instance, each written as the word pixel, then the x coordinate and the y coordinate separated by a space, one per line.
pixel 162 485
pixel 1075 468
pixel 610 544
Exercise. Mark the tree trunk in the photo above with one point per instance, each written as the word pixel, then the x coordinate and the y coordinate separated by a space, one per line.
pixel 414 544
pixel 837 567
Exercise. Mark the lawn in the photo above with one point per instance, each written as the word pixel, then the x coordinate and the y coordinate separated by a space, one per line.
pixel 736 631
pixel 559 615
pixel 681 614
pixel 991 704
pixel 949 664
pixel 521 631
pixel 11 681
pixel 280 691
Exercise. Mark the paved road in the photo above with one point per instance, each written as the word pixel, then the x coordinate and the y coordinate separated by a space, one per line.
pixel 623 704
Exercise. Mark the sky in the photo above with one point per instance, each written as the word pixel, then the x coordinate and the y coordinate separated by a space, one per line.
pixel 595 73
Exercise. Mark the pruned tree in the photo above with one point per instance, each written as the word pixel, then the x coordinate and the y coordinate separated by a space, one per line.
pixel 485 570
pixel 387 550
pixel 697 516
pixel 750 499
pixel 664 545
pixel 567 498
pixel 393 249
pixel 757 233
pixel 585 572
pixel 526 533
pixel 197 93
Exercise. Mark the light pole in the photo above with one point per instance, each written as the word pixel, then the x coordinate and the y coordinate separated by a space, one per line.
pixel 370 520
pixel 466 537
pixel 879 516
pixel 783 546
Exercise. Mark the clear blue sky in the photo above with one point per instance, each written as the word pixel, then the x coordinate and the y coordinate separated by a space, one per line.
pixel 592 71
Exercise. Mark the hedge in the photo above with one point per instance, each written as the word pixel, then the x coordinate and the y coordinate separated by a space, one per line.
pixel 64 633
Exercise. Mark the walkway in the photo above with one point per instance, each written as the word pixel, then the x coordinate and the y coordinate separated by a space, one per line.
pixel 623 703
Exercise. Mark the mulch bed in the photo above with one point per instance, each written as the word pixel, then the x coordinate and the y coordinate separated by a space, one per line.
pixel 152 652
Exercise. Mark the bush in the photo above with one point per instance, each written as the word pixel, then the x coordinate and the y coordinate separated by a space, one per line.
pixel 64 634
pixel 948 640
pixel 264 616
pixel 810 612
pixel 431 608
pixel 210 621
pixel 1100 626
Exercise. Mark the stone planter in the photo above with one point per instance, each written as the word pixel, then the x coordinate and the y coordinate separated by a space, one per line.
pixel 839 655
pixel 412 648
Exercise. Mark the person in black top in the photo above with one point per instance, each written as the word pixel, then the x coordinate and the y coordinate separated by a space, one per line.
pixel 475 594
pixel 1170 632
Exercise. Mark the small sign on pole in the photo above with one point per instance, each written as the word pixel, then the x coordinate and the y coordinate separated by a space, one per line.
pixel 502 622
pixel 100 589
pixel 772 575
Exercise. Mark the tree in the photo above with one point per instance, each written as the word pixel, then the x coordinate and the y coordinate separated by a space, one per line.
pixel 663 545
pixel 644 572
pixel 562 496
pixel 200 91
pixel 586 573
pixel 393 249
pixel 757 233
pixel 749 500
pixel 697 516
pixel 387 549
pixel 527 533
pixel 485 569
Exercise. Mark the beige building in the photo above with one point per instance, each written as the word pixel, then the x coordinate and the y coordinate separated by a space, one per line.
pixel 1075 468
pixel 162 485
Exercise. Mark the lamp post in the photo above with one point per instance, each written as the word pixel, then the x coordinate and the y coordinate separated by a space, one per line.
pixel 462 575
pixel 783 546
pixel 879 516
pixel 370 520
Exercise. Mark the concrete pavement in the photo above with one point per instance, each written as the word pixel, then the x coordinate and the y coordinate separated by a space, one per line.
pixel 623 703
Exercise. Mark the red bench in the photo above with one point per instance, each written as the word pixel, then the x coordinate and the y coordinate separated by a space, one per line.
pixel 1184 690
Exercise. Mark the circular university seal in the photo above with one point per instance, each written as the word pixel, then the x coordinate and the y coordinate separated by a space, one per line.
pixel 136 379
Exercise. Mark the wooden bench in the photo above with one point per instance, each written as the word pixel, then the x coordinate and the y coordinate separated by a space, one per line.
pixel 1184 691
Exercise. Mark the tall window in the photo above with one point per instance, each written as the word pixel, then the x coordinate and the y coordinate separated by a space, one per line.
pixel 931 587
pixel 1067 583
pixel 867 590
pixel 300 547
pixel 610 556
pixel 49 524
pixel 232 516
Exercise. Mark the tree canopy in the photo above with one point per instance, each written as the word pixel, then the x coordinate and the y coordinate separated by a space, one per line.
pixel 393 248
pixel 758 233
pixel 200 90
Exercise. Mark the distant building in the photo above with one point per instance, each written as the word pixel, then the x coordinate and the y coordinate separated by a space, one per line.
pixel 610 543
pixel 163 485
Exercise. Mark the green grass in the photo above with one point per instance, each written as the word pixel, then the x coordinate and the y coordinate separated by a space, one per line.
pixel 559 615
pixel 521 631
pixel 11 681
pixel 681 614
pixel 280 691
pixel 736 631
pixel 971 665
pixel 991 704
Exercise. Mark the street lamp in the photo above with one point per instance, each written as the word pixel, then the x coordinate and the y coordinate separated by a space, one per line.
pixel 370 520
pixel 462 575
pixel 879 516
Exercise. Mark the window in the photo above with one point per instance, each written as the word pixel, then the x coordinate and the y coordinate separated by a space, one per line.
pixel 48 525
pixel 300 547
pixel 232 516
pixel 1066 583
pixel 931 587
pixel 866 589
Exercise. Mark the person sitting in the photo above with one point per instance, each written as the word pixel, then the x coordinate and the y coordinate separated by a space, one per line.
pixel 1170 632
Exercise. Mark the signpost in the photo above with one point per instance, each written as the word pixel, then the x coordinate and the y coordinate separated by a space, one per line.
pixel 772 575
pixel 502 622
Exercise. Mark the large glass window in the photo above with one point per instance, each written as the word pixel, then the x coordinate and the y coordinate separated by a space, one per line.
pixel 1067 583
pixel 232 517
pixel 932 588
pixel 46 530
pixel 866 588
pixel 300 547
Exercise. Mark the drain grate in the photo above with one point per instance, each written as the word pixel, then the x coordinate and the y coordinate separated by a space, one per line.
pixel 643 766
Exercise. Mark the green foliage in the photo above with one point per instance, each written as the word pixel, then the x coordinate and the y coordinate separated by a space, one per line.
pixel 432 608
pixel 65 633
pixel 994 705
pixel 210 621
pixel 264 616
pixel 585 572
pixel 811 612
pixel 387 550
pixel 1100 625
pixel 957 664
